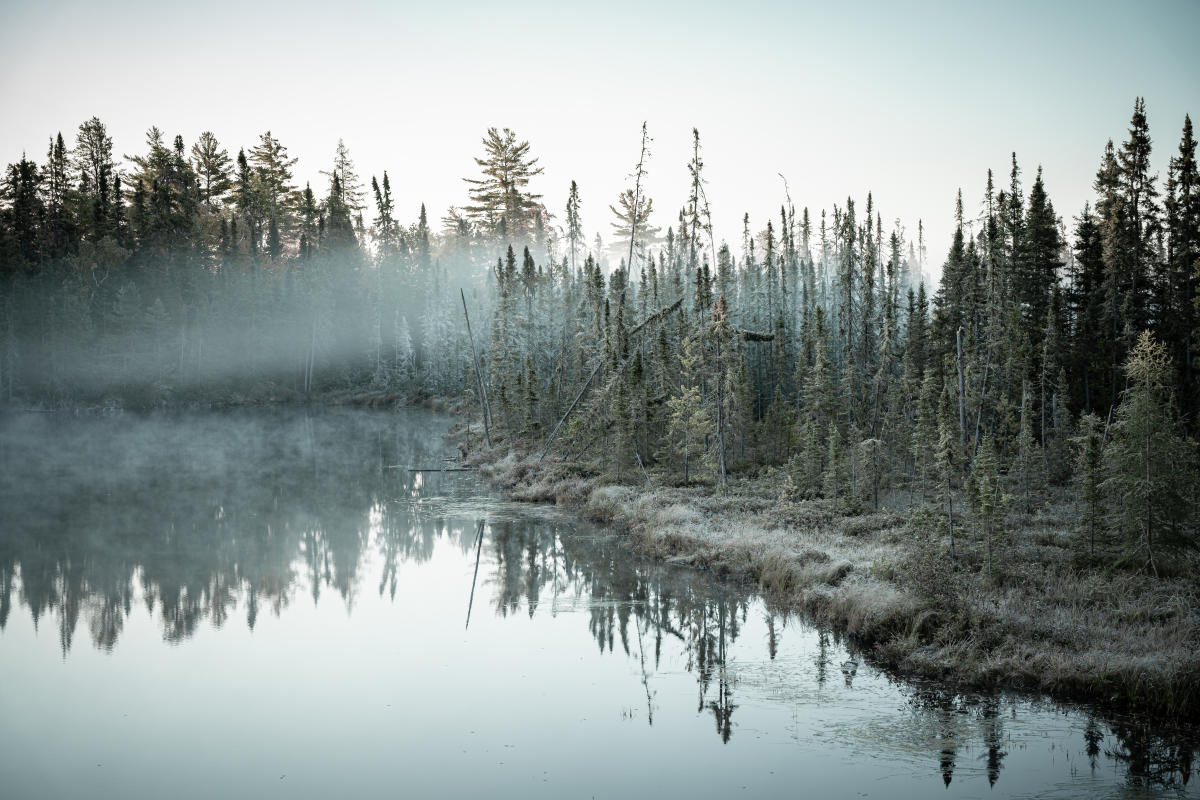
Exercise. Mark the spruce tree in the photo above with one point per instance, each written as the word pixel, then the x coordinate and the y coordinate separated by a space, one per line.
pixel 1183 259
pixel 93 162
pixel 1149 465
pixel 1027 465
pixel 22 214
pixel 61 231
pixel 926 437
pixel 1139 195
pixel 987 501
pixel 574 224
pixel 214 168
pixel 1040 262
pixel 946 462
pixel 1089 474
pixel 688 423
pixel 835 478
pixel 273 169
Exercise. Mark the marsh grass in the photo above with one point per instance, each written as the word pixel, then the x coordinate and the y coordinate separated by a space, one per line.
pixel 1046 618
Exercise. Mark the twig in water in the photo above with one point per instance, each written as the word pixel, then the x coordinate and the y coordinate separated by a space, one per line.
pixel 431 469
pixel 478 553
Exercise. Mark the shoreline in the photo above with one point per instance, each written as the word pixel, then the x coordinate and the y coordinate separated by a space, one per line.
pixel 1046 624
pixel 1042 623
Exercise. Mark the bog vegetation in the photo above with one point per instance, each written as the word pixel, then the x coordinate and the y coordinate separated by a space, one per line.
pixel 1050 375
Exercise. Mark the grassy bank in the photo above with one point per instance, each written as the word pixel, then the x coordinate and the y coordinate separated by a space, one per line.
pixel 1043 619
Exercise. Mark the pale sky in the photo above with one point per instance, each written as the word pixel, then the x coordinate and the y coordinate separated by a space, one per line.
pixel 907 102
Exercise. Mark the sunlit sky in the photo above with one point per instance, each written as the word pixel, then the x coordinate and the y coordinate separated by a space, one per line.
pixel 907 102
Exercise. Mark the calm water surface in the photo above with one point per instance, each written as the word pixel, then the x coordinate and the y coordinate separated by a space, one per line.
pixel 269 604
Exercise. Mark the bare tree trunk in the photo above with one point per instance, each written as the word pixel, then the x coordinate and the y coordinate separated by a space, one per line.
pixel 962 392
pixel 875 473
pixel 645 474
pixel 637 190
pixel 483 404
pixel 570 408
pixel 475 577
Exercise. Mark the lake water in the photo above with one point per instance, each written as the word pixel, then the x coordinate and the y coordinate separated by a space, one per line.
pixel 268 603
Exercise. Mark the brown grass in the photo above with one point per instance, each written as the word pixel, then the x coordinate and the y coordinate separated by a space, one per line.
pixel 1042 621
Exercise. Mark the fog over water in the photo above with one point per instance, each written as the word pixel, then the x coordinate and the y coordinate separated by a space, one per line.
pixel 269 603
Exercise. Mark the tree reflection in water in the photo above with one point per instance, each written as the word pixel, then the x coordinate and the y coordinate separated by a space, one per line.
pixel 200 517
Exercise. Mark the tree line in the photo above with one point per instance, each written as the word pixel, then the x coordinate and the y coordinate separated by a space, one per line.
pixel 1053 360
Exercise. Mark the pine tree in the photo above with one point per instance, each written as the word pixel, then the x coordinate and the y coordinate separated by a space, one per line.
pixel 271 162
pixel 647 234
pixel 1149 465
pixel 353 194
pixel 214 168
pixel 93 162
pixel 499 198
pixel 274 195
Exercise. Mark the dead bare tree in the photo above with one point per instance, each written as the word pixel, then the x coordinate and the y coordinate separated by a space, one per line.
pixel 483 402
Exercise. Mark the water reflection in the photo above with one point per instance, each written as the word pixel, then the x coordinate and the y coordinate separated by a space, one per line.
pixel 208 518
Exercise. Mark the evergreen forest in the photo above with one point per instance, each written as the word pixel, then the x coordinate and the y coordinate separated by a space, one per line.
pixel 1053 362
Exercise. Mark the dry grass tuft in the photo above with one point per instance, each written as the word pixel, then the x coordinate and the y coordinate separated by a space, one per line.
pixel 1042 619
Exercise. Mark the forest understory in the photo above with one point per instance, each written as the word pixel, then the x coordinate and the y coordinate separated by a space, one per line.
pixel 1042 619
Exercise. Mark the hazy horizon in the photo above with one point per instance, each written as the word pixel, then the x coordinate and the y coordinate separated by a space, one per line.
pixel 907 104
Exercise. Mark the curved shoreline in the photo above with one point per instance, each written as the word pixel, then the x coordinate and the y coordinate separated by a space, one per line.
pixel 1041 624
